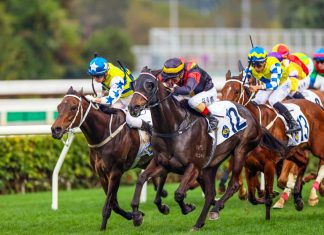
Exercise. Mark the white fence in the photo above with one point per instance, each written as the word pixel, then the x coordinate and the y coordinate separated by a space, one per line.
pixel 218 49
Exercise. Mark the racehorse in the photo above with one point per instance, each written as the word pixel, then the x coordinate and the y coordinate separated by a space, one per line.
pixel 113 145
pixel 235 90
pixel 181 144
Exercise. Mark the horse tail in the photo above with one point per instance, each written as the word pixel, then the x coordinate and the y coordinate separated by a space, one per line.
pixel 271 143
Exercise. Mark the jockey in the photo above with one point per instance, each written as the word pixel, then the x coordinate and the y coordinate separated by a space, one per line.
pixel 274 86
pixel 299 68
pixel 318 70
pixel 188 79
pixel 116 89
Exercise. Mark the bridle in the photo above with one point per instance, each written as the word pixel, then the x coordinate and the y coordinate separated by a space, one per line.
pixel 242 96
pixel 149 99
pixel 83 115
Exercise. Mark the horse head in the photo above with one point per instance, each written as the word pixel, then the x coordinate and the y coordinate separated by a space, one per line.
pixel 146 89
pixel 70 113
pixel 235 88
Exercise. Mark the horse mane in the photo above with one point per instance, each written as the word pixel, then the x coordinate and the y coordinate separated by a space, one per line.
pixel 103 108
pixel 184 104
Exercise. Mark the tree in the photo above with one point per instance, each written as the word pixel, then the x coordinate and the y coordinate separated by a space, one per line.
pixel 111 43
pixel 44 39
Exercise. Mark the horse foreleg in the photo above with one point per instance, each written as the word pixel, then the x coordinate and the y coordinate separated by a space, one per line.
pixel 208 183
pixel 242 191
pixel 152 170
pixel 233 186
pixel 313 198
pixel 164 209
pixel 299 204
pixel 269 172
pixel 156 183
pixel 191 173
pixel 114 180
pixel 251 179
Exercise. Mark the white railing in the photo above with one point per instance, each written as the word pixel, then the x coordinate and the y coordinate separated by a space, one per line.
pixel 218 49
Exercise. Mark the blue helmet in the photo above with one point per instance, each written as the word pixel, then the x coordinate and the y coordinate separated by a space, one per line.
pixel 98 66
pixel 257 54
pixel 319 54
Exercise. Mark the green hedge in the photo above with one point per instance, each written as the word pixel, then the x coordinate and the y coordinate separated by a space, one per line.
pixel 27 163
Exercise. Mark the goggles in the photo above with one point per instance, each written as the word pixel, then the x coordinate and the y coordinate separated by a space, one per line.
pixel 258 64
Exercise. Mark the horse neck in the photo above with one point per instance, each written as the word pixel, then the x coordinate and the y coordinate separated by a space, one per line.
pixel 96 125
pixel 168 115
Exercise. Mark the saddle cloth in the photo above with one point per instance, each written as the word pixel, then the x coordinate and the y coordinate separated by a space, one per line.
pixel 300 136
pixel 230 121
pixel 311 96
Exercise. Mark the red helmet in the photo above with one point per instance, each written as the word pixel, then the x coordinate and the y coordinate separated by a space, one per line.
pixel 282 49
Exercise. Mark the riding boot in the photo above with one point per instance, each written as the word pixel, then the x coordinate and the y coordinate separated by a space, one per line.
pixel 292 124
pixel 213 121
pixel 298 95
pixel 147 127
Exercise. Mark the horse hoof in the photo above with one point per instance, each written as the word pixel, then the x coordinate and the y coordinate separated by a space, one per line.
pixel 164 194
pixel 138 218
pixel 299 205
pixel 213 216
pixel 313 201
pixel 189 208
pixel 279 204
pixel 243 196
pixel 194 229
pixel 165 210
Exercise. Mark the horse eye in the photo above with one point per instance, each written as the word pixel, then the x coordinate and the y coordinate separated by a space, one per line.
pixel 73 108
pixel 236 92
pixel 149 86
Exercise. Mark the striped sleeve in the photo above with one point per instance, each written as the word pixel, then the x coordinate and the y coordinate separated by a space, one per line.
pixel 276 72
pixel 248 73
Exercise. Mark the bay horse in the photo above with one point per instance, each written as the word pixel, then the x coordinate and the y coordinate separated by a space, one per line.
pixel 181 144
pixel 113 144
pixel 235 90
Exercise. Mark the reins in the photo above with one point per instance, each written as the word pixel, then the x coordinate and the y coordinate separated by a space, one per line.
pixel 84 116
pixel 157 103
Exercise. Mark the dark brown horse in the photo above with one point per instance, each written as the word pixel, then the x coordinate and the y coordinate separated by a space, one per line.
pixel 235 90
pixel 182 145
pixel 113 145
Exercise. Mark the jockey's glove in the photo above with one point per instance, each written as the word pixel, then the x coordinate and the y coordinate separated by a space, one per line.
pixel 98 100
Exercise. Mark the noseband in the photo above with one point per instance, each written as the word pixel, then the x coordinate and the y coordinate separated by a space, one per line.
pixel 242 92
pixel 153 94
pixel 80 110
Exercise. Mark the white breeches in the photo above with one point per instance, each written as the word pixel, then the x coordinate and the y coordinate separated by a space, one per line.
pixel 273 96
pixel 303 84
pixel 206 97
pixel 133 122
pixel 319 83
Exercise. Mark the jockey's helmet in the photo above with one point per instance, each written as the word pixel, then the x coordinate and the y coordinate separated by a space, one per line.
pixel 319 54
pixel 172 68
pixel 276 55
pixel 282 49
pixel 98 66
pixel 257 55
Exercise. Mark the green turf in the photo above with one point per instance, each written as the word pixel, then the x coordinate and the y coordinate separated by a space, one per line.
pixel 80 213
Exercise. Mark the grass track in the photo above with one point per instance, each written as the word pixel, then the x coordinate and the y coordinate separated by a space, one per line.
pixel 80 213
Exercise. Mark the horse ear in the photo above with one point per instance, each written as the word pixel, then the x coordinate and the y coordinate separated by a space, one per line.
pixel 81 91
pixel 70 91
pixel 156 72
pixel 240 66
pixel 145 69
pixel 228 75
pixel 240 76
